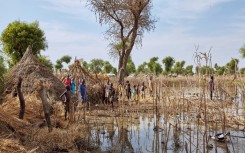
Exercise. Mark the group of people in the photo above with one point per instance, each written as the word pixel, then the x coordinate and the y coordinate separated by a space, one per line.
pixel 136 91
pixel 71 90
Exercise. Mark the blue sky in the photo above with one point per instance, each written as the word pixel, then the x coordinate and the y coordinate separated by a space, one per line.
pixel 71 29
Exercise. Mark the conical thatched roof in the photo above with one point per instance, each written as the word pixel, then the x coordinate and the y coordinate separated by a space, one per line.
pixel 31 71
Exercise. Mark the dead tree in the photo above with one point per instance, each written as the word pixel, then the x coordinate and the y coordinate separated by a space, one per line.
pixel 21 98
pixel 46 110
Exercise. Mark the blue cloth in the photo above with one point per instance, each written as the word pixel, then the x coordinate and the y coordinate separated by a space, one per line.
pixel 73 87
pixel 83 93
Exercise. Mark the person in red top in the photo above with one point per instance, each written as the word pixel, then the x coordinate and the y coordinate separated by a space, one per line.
pixel 67 81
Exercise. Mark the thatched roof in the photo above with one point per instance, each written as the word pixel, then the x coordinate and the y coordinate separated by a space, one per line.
pixel 32 70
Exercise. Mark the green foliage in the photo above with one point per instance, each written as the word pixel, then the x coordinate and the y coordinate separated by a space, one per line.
pixel 232 66
pixel 18 36
pixel 107 67
pixel 47 62
pixel 188 70
pixel 66 59
pixel 219 70
pixel 179 67
pixel 154 66
pixel 114 70
pixel 205 70
pixel 130 68
pixel 142 68
pixel 242 51
pixel 2 71
pixel 242 71
pixel 85 65
pixel 96 65
pixel 58 65
pixel 168 63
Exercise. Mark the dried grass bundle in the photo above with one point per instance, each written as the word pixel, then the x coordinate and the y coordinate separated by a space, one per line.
pixel 11 146
pixel 31 70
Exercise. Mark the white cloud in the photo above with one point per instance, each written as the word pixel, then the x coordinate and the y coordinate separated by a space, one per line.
pixel 184 9
pixel 62 41
pixel 74 8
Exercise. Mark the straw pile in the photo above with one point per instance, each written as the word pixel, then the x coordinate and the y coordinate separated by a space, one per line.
pixel 33 108
pixel 31 70
pixel 10 146
pixel 10 122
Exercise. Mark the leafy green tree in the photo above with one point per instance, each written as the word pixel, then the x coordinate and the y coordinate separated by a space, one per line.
pixel 154 66
pixel 18 36
pixel 85 65
pixel 205 70
pixel 232 66
pixel 96 65
pixel 2 71
pixel 130 68
pixel 142 68
pixel 219 70
pixel 58 65
pixel 114 70
pixel 47 62
pixel 179 67
pixel 107 67
pixel 188 70
pixel 168 63
pixel 242 51
pixel 242 71
pixel 66 59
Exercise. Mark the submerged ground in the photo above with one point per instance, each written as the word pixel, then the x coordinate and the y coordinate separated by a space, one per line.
pixel 179 117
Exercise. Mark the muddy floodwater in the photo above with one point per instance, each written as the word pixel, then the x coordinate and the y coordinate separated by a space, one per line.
pixel 140 136
pixel 152 131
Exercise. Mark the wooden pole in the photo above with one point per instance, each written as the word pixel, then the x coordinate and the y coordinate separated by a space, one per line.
pixel 21 98
pixel 43 96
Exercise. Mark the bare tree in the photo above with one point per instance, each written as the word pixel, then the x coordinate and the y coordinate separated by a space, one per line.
pixel 127 20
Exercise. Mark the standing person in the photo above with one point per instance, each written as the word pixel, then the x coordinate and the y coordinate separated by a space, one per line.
pixel 112 95
pixel 143 87
pixel 67 81
pixel 137 90
pixel 150 83
pixel 128 91
pixel 120 89
pixel 73 86
pixel 107 90
pixel 83 92
pixel 67 101
pixel 134 93
pixel 211 86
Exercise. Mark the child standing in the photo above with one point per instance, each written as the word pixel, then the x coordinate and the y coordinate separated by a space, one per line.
pixel 67 101
pixel 83 91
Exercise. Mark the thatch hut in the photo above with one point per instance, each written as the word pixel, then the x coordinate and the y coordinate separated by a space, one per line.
pixel 31 70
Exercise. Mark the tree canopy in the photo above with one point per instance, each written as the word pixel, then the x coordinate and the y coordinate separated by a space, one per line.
pixel 18 36
pixel 130 66
pixel 127 21
pixel 47 62
pixel 168 63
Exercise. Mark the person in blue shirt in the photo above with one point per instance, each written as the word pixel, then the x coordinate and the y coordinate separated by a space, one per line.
pixel 83 91
pixel 73 86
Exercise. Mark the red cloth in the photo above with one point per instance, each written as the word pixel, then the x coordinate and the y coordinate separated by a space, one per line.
pixel 68 82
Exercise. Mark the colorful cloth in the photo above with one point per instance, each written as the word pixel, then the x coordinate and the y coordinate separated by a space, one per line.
pixel 83 93
pixel 73 87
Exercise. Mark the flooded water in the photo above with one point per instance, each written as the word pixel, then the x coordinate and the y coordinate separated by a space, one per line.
pixel 146 133
pixel 140 136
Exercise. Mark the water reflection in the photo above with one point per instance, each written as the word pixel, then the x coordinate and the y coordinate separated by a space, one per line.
pixel 137 134
pixel 148 132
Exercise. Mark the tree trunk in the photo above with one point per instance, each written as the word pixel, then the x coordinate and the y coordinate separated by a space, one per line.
pixel 21 98
pixel 43 96
pixel 122 69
